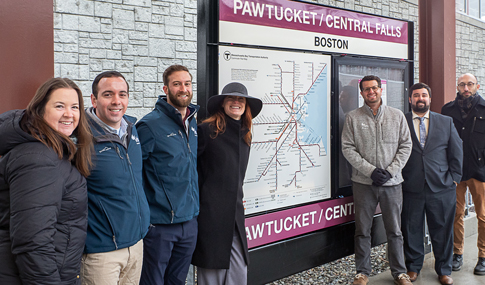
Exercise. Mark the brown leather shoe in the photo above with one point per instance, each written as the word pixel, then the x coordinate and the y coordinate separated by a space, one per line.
pixel 445 279
pixel 402 279
pixel 360 279
pixel 412 276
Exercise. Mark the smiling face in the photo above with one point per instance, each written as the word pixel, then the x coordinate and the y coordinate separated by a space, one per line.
pixel 179 90
pixel 111 101
pixel 420 101
pixel 234 106
pixel 62 110
pixel 371 92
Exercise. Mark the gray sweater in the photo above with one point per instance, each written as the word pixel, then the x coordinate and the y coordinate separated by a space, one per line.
pixel 382 141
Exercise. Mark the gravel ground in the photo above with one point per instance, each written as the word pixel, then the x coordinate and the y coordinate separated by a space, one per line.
pixel 341 271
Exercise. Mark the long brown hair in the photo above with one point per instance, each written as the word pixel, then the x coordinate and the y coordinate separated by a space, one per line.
pixel 218 120
pixel 34 123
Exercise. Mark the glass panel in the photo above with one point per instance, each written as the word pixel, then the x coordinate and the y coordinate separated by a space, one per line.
pixel 350 99
pixel 474 8
pixel 482 9
pixel 460 5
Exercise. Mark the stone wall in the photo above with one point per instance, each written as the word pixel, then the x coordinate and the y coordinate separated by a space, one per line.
pixel 139 38
pixel 470 47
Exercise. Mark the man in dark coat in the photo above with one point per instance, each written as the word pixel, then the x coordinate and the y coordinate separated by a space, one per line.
pixel 468 113
pixel 430 177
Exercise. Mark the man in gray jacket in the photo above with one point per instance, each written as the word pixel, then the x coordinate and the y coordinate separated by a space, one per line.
pixel 377 143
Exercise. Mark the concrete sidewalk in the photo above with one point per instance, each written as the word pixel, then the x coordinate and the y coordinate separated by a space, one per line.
pixel 428 275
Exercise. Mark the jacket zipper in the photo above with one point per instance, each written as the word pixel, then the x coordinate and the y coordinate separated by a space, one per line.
pixel 190 151
pixel 377 142
pixel 134 187
pixel 114 240
pixel 188 145
pixel 114 237
pixel 473 125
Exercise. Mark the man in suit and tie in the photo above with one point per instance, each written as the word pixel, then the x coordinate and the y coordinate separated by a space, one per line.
pixel 430 178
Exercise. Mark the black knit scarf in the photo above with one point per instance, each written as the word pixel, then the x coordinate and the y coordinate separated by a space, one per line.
pixel 466 104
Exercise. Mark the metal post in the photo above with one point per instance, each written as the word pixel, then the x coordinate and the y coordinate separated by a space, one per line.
pixel 191 276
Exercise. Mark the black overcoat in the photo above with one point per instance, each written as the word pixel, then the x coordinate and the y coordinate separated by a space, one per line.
pixel 222 164
pixel 472 132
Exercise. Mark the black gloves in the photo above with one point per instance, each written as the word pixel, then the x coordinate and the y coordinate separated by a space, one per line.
pixel 380 176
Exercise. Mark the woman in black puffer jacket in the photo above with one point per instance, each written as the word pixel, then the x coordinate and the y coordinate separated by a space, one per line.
pixel 46 151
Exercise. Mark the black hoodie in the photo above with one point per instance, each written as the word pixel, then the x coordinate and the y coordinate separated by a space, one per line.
pixel 43 210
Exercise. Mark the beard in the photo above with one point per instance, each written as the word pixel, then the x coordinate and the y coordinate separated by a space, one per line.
pixel 417 109
pixel 177 102
pixel 469 94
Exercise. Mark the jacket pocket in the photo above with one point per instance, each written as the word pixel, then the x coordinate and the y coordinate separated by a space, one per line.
pixel 61 243
pixel 390 133
pixel 443 168
pixel 478 125
pixel 111 225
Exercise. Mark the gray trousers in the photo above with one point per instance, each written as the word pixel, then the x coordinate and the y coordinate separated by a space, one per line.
pixel 366 198
pixel 237 274
pixel 440 214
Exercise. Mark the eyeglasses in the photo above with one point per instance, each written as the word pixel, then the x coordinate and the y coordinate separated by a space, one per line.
pixel 469 84
pixel 374 88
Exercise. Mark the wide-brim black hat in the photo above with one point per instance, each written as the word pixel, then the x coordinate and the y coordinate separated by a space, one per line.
pixel 234 89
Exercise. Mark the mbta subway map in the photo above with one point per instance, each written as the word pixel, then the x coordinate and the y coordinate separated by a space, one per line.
pixel 289 162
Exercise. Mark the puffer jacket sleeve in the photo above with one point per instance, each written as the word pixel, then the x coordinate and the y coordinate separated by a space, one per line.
pixel 35 196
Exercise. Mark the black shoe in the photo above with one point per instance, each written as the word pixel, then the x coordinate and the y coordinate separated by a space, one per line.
pixel 458 262
pixel 480 268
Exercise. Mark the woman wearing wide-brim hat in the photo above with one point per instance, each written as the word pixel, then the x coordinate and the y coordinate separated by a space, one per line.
pixel 221 254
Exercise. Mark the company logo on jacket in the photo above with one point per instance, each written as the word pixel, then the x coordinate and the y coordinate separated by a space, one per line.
pixel 104 149
pixel 135 138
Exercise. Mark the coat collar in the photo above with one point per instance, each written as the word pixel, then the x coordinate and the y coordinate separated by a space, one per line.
pixel 171 112
pixel 456 113
pixel 431 129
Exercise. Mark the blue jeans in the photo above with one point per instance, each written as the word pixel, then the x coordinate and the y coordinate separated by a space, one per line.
pixel 167 253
